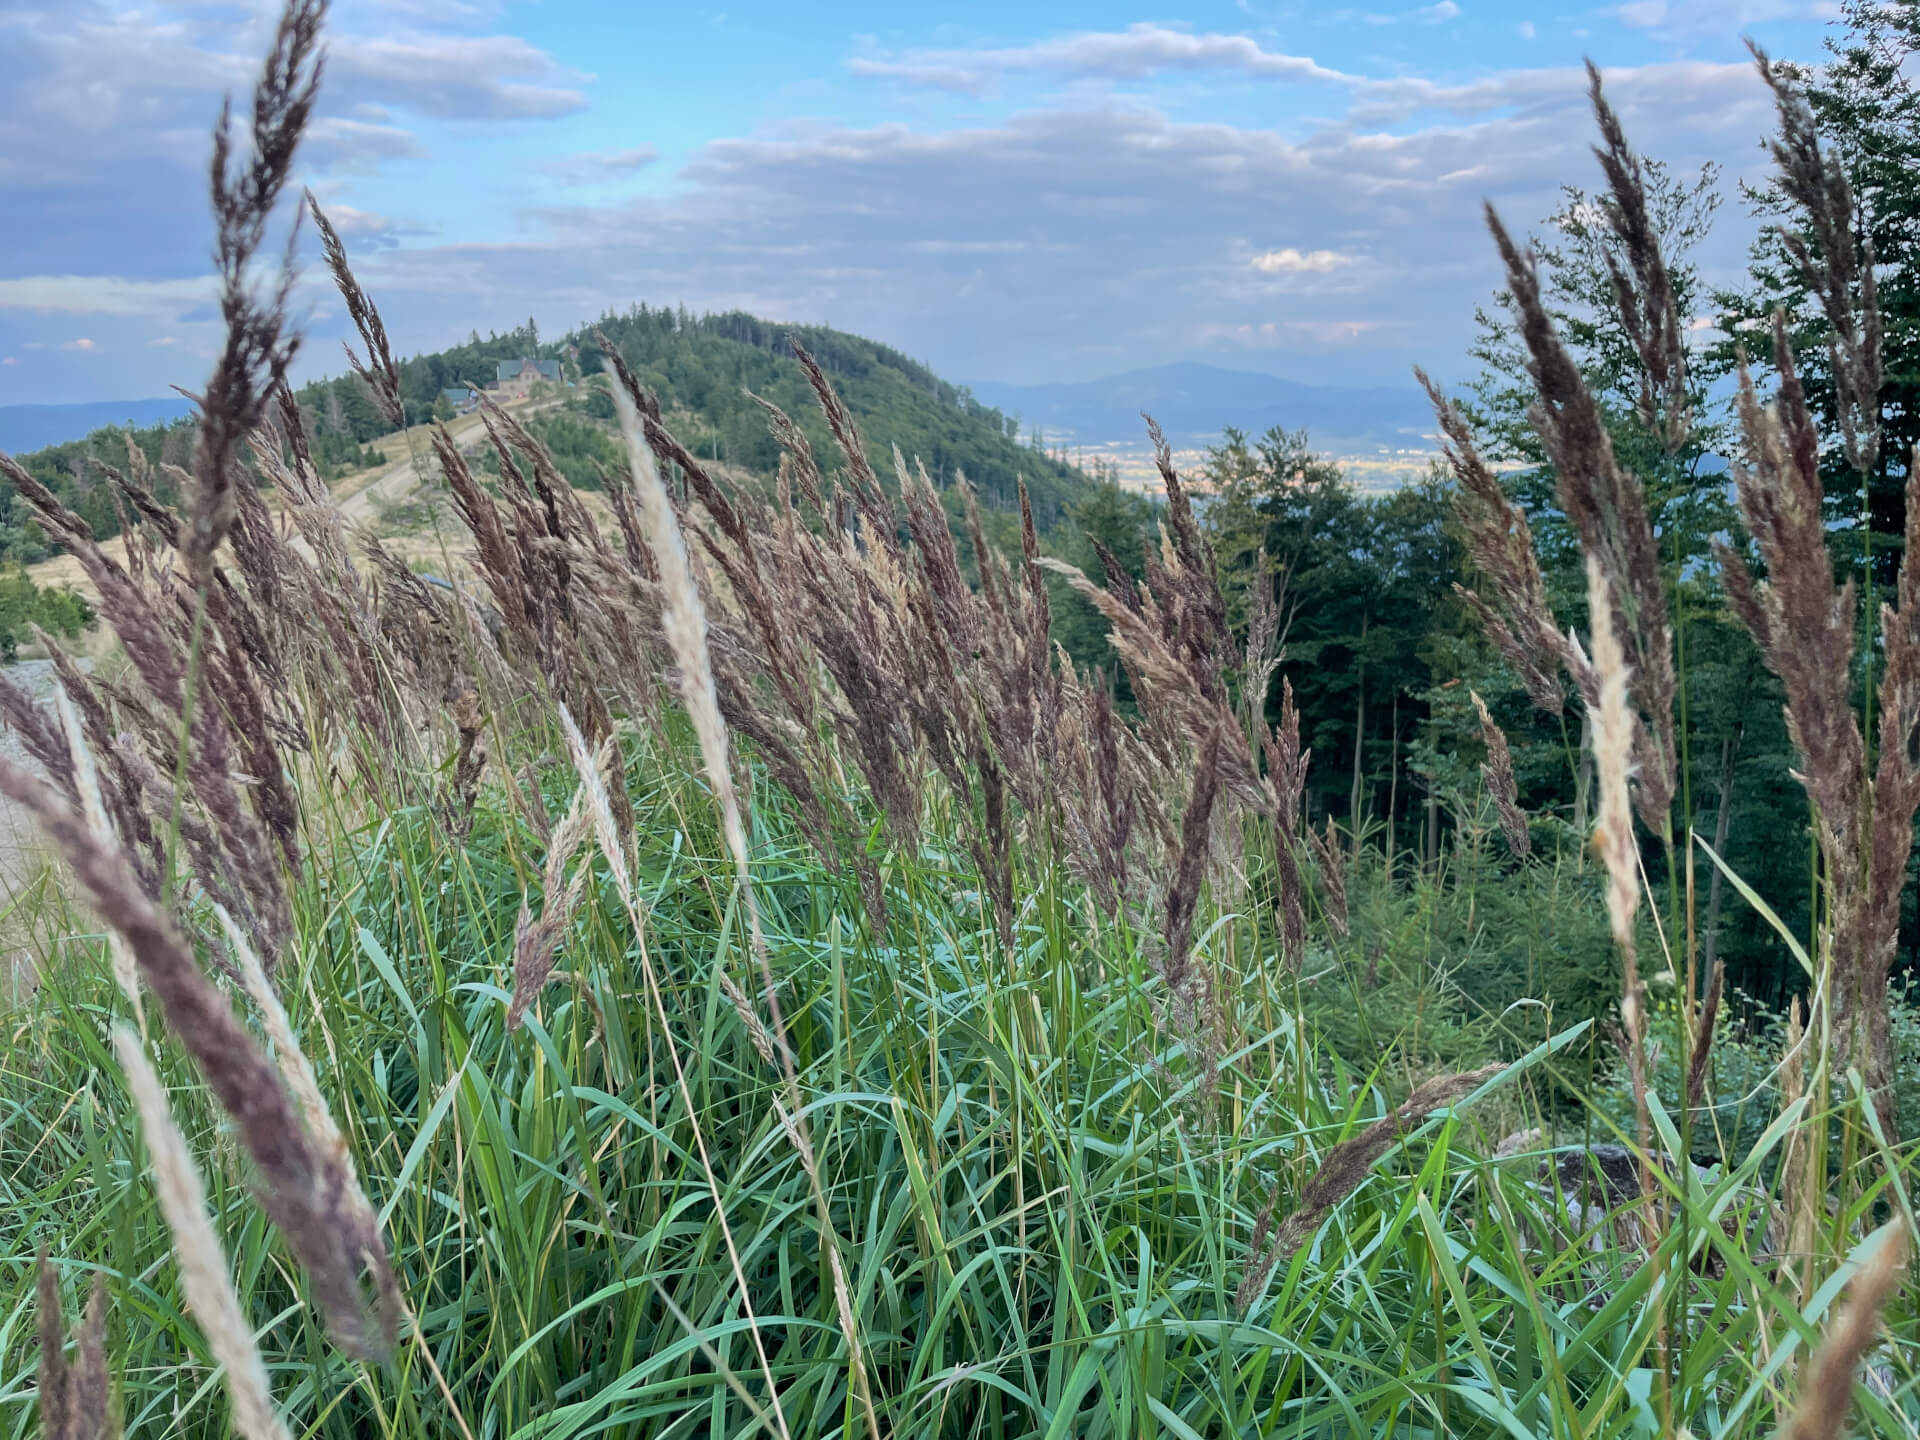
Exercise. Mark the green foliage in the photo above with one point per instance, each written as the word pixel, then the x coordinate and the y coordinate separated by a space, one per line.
pixel 1046 1225
pixel 59 610
pixel 75 472
pixel 1867 108
pixel 1364 585
pixel 706 364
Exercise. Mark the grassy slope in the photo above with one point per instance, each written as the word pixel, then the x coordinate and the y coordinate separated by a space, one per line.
pixel 1049 1231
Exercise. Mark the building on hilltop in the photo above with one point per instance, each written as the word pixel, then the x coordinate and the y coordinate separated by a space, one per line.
pixel 517 377
pixel 461 397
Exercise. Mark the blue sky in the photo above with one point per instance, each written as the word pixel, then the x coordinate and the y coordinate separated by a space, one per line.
pixel 1007 191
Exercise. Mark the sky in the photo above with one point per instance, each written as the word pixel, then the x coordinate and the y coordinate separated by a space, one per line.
pixel 1006 191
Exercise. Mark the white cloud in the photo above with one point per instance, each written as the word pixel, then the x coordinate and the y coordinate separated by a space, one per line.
pixel 597 167
pixel 1132 54
pixel 81 344
pixel 1526 31
pixel 1718 16
pixel 456 77
pixel 104 294
pixel 10 360
pixel 1020 248
pixel 1435 14
pixel 1298 262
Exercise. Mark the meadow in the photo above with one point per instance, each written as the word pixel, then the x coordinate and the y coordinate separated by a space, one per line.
pixel 712 961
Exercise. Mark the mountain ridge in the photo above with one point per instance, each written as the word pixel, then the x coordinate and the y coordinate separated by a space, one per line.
pixel 1194 401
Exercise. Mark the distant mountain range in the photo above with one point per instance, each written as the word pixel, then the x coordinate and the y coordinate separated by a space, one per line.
pixel 34 427
pixel 1195 402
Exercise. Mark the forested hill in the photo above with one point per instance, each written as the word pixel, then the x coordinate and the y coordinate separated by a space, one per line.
pixel 701 367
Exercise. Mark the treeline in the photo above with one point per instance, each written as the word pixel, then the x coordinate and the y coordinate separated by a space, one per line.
pixel 706 365
pixel 1384 653
pixel 701 367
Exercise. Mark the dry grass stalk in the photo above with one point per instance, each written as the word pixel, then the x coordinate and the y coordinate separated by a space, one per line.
pixel 1643 286
pixel 203 1264
pixel 1332 858
pixel 1342 1171
pixel 1700 1050
pixel 1189 991
pixel 1613 838
pixel 1286 782
pixel 1803 623
pixel 1836 269
pixel 1826 1384
pixel 613 851
pixel 258 347
pixel 1498 773
pixel 378 370
pixel 75 1395
pixel 1608 508
pixel 294 1065
pixel 536 943
pixel 1519 619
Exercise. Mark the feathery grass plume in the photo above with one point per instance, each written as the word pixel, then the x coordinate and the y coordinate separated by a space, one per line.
pixel 685 625
pixel 1803 625
pixel 1265 644
pixel 868 497
pixel 259 348
pixel 1608 508
pixel 1286 782
pixel 1172 665
pixel 1190 866
pixel 157 628
pixel 1331 856
pixel 536 942
pixel 378 370
pixel 1519 620
pixel 1613 839
pixel 1498 773
pixel 1342 1171
pixel 75 1395
pixel 799 464
pixel 39 736
pixel 469 761
pixel 1643 286
pixel 204 1272
pixel 1826 1384
pixel 1835 269
pixel 307 1193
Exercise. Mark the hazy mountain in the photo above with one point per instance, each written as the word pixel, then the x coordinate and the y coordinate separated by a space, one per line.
pixel 34 427
pixel 1194 402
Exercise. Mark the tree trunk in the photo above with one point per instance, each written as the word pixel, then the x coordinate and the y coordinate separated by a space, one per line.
pixel 1433 828
pixel 1393 790
pixel 1359 735
pixel 1583 779
pixel 1729 751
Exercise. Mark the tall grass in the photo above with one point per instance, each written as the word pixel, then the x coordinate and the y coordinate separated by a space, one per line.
pixel 920 1047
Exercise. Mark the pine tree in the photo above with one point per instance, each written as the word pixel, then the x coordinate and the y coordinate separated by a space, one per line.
pixel 1867 107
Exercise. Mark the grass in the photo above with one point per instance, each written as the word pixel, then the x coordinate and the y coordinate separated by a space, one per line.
pixel 1046 1237
pixel 972 1089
